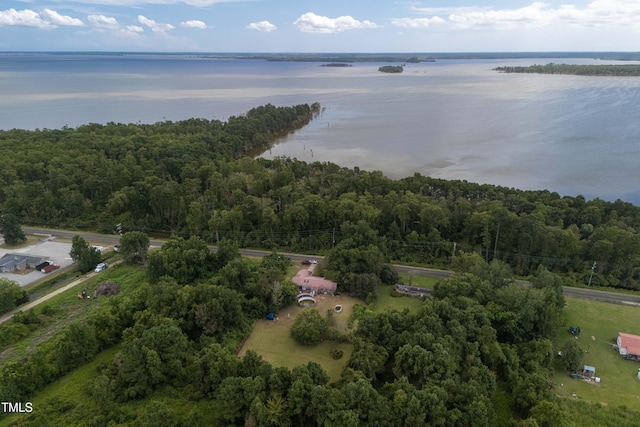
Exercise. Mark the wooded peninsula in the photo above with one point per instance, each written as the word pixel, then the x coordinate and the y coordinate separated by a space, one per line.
pixel 165 351
pixel 626 70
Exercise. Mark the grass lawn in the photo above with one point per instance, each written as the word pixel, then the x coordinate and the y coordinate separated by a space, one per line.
pixel 600 323
pixel 29 241
pixel 271 339
pixel 419 281
pixel 68 391
pixel 386 301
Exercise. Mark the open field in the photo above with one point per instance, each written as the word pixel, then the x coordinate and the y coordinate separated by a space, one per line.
pixel 69 308
pixel 271 339
pixel 600 324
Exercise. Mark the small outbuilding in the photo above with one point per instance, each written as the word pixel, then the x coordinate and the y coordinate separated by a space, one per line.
pixel 588 371
pixel 628 346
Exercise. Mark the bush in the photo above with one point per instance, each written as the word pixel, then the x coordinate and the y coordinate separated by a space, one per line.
pixel 29 317
pixel 336 353
pixel 11 332
pixel 48 310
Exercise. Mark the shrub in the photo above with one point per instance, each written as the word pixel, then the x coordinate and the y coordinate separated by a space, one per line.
pixel 48 310
pixel 336 353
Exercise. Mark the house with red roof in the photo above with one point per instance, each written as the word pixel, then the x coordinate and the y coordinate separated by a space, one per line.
pixel 629 345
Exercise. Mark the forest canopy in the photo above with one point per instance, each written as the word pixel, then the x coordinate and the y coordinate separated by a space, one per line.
pixel 199 178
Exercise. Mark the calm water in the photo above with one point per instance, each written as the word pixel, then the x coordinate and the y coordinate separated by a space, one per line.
pixel 453 119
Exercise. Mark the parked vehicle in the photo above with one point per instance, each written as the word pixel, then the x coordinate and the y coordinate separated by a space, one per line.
pixel 49 268
pixel 40 266
pixel 101 266
pixel 309 261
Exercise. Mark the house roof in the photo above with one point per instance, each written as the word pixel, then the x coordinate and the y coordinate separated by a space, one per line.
pixel 630 342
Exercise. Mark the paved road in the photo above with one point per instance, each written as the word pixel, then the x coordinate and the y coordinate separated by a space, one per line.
pixel 610 297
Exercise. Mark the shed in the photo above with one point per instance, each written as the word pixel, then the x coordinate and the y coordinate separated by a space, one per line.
pixel 588 371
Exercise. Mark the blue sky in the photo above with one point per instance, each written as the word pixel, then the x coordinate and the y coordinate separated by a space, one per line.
pixel 319 25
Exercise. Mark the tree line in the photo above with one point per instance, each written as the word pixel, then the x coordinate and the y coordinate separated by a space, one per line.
pixel 629 70
pixel 193 178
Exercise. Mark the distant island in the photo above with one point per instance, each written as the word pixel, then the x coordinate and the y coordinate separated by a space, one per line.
pixel 576 70
pixel 391 69
pixel 336 64
pixel 340 57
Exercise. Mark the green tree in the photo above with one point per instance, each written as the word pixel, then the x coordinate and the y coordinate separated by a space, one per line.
pixel 549 414
pixel 184 260
pixel 10 229
pixel 359 285
pixel 275 261
pixel 572 355
pixel 309 328
pixel 75 346
pixel 368 358
pixel 85 255
pixel 155 358
pixel 134 246
pixel 10 292
pixel 546 279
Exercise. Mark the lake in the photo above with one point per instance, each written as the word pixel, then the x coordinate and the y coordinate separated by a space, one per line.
pixel 451 119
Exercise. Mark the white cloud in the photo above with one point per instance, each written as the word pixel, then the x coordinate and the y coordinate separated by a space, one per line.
pixel 535 15
pixel 134 29
pixel 416 22
pixel 197 3
pixel 28 18
pixel 263 26
pixel 56 19
pixel 103 22
pixel 194 24
pixel 155 26
pixel 312 23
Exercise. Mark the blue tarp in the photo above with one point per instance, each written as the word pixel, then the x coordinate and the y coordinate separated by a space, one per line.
pixel 271 316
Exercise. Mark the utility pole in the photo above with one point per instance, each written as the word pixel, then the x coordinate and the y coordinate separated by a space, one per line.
pixel 593 267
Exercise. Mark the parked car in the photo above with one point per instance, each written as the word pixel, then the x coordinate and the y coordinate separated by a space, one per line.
pixel 309 261
pixel 101 266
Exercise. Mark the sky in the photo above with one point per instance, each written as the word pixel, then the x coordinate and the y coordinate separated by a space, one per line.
pixel 319 25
